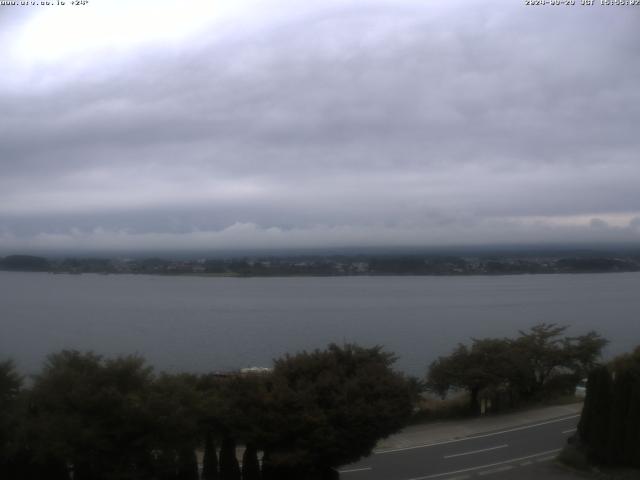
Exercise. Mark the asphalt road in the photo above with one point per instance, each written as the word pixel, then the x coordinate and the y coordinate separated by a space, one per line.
pixel 500 454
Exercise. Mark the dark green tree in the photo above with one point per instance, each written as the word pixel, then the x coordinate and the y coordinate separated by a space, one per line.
pixel 609 428
pixel 91 413
pixel 10 449
pixel 631 447
pixel 187 464
pixel 229 467
pixel 175 406
pixel 550 363
pixel 328 408
pixel 250 464
pixel 593 427
pixel 625 425
pixel 539 362
pixel 267 471
pixel 620 409
pixel 166 464
pixel 583 352
pixel 234 407
pixel 488 367
pixel 210 459
pixel 542 350
pixel 10 383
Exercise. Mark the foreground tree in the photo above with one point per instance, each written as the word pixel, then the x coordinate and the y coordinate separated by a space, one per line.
pixel 91 418
pixel 328 408
pixel 232 408
pixel 250 464
pixel 596 413
pixel 174 405
pixel 609 428
pixel 91 413
pixel 229 466
pixel 210 459
pixel 187 464
pixel 10 385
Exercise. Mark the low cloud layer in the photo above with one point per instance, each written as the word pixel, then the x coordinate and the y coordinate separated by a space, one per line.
pixel 339 123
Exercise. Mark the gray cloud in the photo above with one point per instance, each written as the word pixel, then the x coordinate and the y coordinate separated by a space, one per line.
pixel 341 123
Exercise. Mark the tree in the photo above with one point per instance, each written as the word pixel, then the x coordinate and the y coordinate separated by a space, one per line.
pixel 486 365
pixel 539 362
pixel 10 383
pixel 229 467
pixel 631 447
pixel 210 459
pixel 91 413
pixel 583 352
pixel 328 408
pixel 609 428
pixel 232 408
pixel 624 431
pixel 187 464
pixel 175 405
pixel 250 464
pixel 542 350
pixel 10 386
pixel 621 394
pixel 594 422
pixel 238 406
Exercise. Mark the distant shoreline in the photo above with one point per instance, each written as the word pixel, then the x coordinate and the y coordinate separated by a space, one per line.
pixel 333 265
pixel 302 275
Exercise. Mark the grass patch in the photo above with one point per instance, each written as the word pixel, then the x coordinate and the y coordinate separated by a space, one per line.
pixel 433 408
pixel 456 406
pixel 574 457
pixel 562 400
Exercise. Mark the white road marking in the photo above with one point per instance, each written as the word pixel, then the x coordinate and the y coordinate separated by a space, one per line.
pixel 481 467
pixel 571 430
pixel 545 459
pixel 496 470
pixel 353 470
pixel 485 435
pixel 528 462
pixel 476 451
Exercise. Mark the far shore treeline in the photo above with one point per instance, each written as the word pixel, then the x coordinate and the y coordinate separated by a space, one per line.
pixel 505 263
pixel 87 417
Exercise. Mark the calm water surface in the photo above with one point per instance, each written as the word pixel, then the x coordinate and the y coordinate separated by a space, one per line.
pixel 202 324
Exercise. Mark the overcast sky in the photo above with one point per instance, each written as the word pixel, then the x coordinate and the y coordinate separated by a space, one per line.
pixel 188 124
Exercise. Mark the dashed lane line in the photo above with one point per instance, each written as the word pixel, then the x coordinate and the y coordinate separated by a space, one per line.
pixel 482 467
pixel 476 451
pixel 354 470
pixel 485 435
pixel 545 459
pixel 496 470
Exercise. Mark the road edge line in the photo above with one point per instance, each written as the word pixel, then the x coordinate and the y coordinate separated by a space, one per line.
pixel 465 439
pixel 471 469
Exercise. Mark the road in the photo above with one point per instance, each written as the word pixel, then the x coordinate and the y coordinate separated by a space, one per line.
pixel 497 453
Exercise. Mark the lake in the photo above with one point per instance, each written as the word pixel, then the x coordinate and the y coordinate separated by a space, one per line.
pixel 204 323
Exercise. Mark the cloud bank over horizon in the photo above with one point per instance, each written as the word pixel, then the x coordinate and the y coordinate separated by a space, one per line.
pixel 250 124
